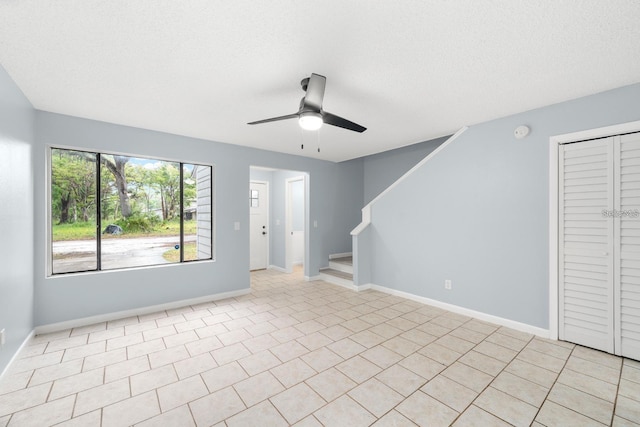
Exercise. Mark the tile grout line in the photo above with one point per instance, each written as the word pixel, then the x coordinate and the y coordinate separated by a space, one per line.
pixel 247 303
pixel 491 382
pixel 73 407
pixel 404 357
pixel 554 383
pixel 615 400
pixel 346 393
pixel 429 380
pixel 585 392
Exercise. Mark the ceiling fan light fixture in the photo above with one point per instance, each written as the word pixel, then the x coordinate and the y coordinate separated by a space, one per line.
pixel 310 120
pixel 311 115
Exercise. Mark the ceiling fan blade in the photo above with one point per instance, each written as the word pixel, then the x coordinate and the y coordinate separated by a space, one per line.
pixel 275 119
pixel 315 92
pixel 333 120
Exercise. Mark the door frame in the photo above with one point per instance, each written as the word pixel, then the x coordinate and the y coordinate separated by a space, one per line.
pixel 289 222
pixel 266 183
pixel 554 182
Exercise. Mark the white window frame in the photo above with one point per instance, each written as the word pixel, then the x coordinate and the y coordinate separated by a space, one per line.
pixel 48 218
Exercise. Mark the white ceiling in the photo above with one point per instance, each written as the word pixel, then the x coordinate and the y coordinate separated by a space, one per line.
pixel 410 71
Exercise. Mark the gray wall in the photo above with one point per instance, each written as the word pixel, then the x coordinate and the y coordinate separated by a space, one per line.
pixel 477 213
pixel 346 189
pixel 16 217
pixel 383 169
pixel 335 205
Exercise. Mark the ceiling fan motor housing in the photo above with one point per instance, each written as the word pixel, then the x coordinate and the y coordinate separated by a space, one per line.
pixel 311 115
pixel 304 83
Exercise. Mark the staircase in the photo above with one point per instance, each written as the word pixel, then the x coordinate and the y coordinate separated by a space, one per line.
pixel 339 272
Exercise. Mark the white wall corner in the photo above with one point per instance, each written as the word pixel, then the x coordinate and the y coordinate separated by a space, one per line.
pixel 17 354
pixel 311 278
pixel 343 285
pixel 364 287
pixel 366 220
pixel 276 268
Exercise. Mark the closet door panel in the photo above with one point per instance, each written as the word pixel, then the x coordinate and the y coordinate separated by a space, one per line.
pixel 627 229
pixel 586 244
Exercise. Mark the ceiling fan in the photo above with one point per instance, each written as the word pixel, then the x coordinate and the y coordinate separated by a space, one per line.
pixel 311 116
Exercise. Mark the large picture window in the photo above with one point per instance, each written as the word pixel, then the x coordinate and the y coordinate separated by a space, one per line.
pixel 110 211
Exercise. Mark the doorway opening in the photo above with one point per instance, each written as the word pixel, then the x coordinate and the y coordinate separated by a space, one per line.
pixel 295 214
pixel 279 225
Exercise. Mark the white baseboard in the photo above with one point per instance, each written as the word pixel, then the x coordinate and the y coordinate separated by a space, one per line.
pixel 85 321
pixel 349 286
pixel 276 268
pixel 522 327
pixel 342 285
pixel 345 283
pixel 15 355
pixel 311 278
pixel 342 255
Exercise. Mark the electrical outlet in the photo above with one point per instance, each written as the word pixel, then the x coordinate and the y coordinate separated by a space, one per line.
pixel 2 338
pixel 447 284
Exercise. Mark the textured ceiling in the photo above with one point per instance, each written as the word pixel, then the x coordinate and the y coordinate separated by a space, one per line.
pixel 410 71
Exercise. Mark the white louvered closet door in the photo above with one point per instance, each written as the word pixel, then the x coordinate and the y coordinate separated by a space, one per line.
pixel 627 239
pixel 586 259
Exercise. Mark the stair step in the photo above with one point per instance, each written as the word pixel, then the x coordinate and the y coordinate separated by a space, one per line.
pixel 344 264
pixel 337 277
pixel 337 273
pixel 348 260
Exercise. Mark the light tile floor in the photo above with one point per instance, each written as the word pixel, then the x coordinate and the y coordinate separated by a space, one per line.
pixel 313 354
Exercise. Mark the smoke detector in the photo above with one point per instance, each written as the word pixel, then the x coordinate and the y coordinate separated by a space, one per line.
pixel 521 131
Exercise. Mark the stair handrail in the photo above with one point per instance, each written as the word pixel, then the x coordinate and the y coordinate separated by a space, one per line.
pixel 362 277
pixel 366 211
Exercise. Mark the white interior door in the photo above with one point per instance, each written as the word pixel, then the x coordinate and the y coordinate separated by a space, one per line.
pixel 258 225
pixel 586 243
pixel 295 222
pixel 627 229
